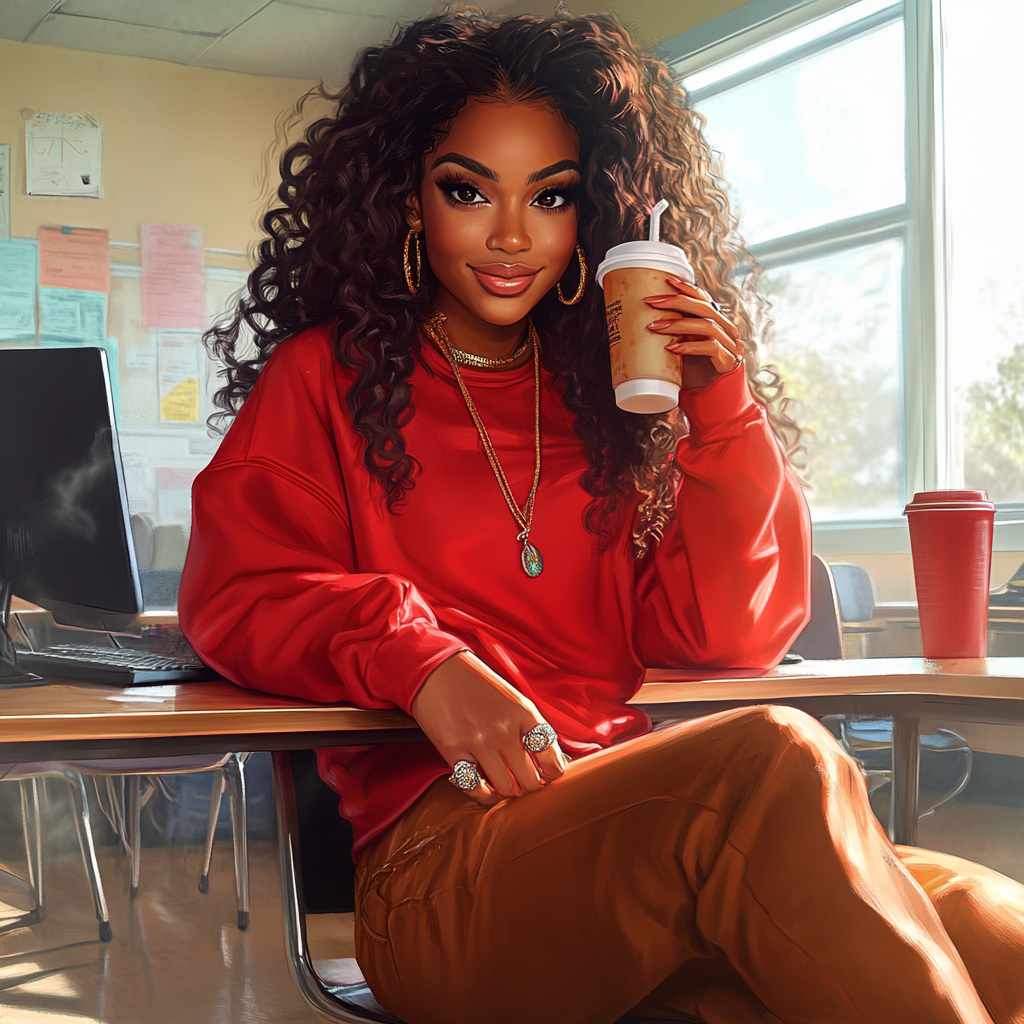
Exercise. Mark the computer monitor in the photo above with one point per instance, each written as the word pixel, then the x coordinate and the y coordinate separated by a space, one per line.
pixel 65 537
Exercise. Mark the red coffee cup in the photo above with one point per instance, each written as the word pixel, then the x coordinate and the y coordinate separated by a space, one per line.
pixel 951 541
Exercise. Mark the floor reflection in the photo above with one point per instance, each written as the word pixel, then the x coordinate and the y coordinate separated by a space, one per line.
pixel 176 956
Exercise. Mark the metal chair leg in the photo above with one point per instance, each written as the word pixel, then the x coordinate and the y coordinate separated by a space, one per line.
pixel 32 829
pixel 84 827
pixel 135 840
pixel 235 772
pixel 37 823
pixel 216 795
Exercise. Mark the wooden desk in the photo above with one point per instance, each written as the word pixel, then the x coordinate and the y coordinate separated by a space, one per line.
pixel 62 719
pixel 59 717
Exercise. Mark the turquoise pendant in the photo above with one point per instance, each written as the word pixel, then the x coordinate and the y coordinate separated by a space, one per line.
pixel 533 564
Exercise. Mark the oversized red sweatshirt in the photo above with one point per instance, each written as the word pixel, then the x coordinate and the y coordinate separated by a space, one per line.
pixel 299 582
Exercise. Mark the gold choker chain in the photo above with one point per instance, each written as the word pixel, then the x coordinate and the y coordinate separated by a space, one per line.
pixel 476 362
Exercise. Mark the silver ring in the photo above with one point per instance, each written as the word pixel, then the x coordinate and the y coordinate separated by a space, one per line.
pixel 465 775
pixel 539 738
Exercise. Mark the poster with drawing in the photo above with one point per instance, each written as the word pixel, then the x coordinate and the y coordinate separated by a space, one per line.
pixel 63 155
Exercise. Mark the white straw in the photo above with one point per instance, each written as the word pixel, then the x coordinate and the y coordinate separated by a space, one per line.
pixel 659 209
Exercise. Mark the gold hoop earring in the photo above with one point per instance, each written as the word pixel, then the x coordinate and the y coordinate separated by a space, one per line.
pixel 582 285
pixel 411 239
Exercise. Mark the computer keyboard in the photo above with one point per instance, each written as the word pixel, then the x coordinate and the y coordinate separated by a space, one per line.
pixel 118 665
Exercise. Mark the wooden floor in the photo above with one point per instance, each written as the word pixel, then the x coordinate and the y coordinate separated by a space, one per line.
pixel 177 957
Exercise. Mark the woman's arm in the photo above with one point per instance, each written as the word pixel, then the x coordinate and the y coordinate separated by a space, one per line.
pixel 729 583
pixel 270 600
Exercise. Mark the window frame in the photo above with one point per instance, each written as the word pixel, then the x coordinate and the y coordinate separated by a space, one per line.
pixel 927 441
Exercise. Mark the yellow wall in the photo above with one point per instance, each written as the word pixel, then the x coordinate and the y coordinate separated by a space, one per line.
pixel 650 21
pixel 181 145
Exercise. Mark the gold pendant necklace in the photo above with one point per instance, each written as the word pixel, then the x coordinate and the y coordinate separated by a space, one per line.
pixel 533 563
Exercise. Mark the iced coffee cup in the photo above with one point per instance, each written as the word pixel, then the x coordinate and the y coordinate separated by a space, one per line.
pixel 951 542
pixel 645 375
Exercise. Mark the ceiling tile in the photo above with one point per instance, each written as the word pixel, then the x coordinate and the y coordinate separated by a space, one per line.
pixel 406 10
pixel 114 37
pixel 211 17
pixel 290 41
pixel 19 17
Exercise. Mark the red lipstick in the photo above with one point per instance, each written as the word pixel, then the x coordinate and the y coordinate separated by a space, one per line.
pixel 504 278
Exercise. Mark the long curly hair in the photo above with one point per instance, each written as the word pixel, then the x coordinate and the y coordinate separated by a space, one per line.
pixel 332 248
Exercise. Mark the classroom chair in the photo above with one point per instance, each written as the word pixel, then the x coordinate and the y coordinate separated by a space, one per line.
pixel 230 774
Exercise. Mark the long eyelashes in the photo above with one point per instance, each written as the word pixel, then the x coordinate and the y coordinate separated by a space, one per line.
pixel 460 193
pixel 568 194
pixel 451 185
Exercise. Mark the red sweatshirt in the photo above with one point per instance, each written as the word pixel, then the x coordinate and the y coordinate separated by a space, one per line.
pixel 299 582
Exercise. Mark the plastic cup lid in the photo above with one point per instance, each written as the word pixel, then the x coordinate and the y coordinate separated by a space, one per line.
pixel 656 255
pixel 647 395
pixel 950 499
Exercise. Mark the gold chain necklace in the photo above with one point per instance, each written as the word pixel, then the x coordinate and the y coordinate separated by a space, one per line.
pixel 487 362
pixel 435 330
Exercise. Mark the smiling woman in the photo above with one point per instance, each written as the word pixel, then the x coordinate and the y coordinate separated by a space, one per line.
pixel 499 235
pixel 430 500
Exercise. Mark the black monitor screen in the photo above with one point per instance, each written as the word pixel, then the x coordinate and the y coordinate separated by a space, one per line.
pixel 64 531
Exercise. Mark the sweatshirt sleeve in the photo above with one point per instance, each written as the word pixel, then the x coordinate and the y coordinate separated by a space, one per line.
pixel 270 595
pixel 729 583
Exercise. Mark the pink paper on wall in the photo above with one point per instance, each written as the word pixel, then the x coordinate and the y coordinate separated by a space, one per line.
pixel 172 277
pixel 76 258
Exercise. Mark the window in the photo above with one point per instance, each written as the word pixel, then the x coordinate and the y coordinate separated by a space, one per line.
pixel 984 169
pixel 872 150
pixel 811 126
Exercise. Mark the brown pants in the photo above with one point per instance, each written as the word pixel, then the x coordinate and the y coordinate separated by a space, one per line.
pixel 726 870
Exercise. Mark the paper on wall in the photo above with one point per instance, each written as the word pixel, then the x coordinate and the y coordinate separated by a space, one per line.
pixel 72 315
pixel 180 362
pixel 142 357
pixel 5 191
pixel 19 271
pixel 74 258
pixel 173 294
pixel 63 155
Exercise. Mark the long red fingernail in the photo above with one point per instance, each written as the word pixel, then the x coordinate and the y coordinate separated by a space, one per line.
pixel 659 323
pixel 660 298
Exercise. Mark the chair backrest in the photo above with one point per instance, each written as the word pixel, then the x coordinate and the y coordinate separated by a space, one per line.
pixel 856 591
pixel 822 637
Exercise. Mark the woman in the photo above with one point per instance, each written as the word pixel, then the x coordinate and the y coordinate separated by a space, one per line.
pixel 429 500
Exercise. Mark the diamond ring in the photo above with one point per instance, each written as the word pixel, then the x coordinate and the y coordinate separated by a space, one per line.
pixel 539 738
pixel 465 775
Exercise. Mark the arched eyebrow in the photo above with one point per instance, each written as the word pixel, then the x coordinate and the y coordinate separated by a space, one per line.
pixel 464 161
pixel 546 172
pixel 485 172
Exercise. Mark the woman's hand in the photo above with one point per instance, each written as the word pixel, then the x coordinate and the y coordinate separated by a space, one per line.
pixel 703 330
pixel 470 713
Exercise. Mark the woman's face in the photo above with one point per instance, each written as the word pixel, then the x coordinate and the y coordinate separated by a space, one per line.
pixel 497 208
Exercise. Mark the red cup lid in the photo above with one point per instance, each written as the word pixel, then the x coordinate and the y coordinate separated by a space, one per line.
pixel 950 499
